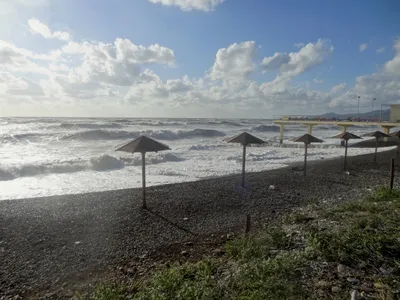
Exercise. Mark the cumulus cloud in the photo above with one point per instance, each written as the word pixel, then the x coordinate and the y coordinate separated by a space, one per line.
pixel 189 5
pixel 296 63
pixel 275 61
pixel 363 47
pixel 18 86
pixel 383 85
pixel 117 64
pixel 37 27
pixel 234 62
pixel 393 65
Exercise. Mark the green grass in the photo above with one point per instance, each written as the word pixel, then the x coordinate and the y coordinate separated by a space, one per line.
pixel 288 259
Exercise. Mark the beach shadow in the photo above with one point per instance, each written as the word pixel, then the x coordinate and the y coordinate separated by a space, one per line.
pixel 170 222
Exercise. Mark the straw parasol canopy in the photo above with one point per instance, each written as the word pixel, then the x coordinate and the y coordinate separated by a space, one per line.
pixel 346 136
pixel 377 135
pixel 397 134
pixel 143 144
pixel 244 139
pixel 306 139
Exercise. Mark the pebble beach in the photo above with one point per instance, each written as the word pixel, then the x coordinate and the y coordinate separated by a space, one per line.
pixel 50 246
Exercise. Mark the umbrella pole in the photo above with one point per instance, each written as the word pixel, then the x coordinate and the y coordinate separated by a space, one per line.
pixel 305 158
pixel 376 150
pixel 144 180
pixel 398 148
pixel 243 164
pixel 345 155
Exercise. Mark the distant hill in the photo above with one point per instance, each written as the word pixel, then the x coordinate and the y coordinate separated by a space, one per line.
pixel 366 115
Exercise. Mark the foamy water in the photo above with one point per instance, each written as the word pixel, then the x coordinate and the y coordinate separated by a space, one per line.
pixel 44 156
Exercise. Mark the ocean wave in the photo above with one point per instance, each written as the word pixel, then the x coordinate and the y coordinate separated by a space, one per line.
pixel 101 164
pixel 266 128
pixel 101 134
pixel 207 147
pixel 89 125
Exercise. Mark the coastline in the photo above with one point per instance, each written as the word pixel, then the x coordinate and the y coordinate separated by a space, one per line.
pixel 53 244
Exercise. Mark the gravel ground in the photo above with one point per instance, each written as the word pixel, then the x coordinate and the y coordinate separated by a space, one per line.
pixel 49 246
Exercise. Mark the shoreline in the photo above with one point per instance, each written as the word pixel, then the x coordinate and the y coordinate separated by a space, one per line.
pixel 54 244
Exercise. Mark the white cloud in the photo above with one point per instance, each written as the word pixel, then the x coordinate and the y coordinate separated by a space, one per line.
pixel 189 5
pixel 318 81
pixel 393 66
pixel 296 63
pixel 363 47
pixel 275 61
pixel 117 64
pixel 234 62
pixel 380 50
pixel 18 86
pixel 383 85
pixel 338 88
pixel 37 27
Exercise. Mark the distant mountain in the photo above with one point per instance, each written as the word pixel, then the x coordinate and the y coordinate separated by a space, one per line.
pixel 366 115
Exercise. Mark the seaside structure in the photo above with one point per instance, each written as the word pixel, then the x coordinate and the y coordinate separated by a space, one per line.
pixel 244 139
pixel 143 144
pixel 340 123
pixel 307 139
pixel 346 136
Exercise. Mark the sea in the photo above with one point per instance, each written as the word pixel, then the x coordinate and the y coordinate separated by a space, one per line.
pixel 55 156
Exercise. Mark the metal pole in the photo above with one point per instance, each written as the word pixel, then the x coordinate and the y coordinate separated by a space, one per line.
pixel 358 107
pixel 243 164
pixel 376 150
pixel 144 180
pixel 380 116
pixel 391 174
pixel 248 224
pixel 305 158
pixel 345 155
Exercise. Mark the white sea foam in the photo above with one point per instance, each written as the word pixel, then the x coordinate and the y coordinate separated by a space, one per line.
pixel 48 156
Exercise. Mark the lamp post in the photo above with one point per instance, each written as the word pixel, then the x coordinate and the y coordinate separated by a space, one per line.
pixel 358 106
pixel 373 114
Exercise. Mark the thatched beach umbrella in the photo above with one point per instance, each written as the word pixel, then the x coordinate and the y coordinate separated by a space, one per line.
pixel 244 139
pixel 377 135
pixel 346 136
pixel 306 139
pixel 397 134
pixel 143 144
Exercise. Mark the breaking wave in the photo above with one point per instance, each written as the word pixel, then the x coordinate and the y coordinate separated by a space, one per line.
pixel 101 134
pixel 266 128
pixel 89 125
pixel 101 163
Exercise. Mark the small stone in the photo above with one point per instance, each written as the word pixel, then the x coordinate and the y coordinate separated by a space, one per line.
pixel 341 268
pixel 130 271
pixel 49 295
pixel 354 295
pixel 366 288
pixel 353 281
pixel 78 242
pixel 322 283
pixel 272 187
pixel 185 253
pixel 185 219
pixel 229 236
pixel 336 289
pixel 218 252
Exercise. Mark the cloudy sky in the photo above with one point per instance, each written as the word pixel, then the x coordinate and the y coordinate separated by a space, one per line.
pixel 197 58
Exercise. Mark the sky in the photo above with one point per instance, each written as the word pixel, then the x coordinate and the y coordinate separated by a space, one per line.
pixel 197 58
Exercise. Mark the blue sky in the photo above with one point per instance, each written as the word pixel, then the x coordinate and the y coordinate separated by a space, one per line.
pixel 195 31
